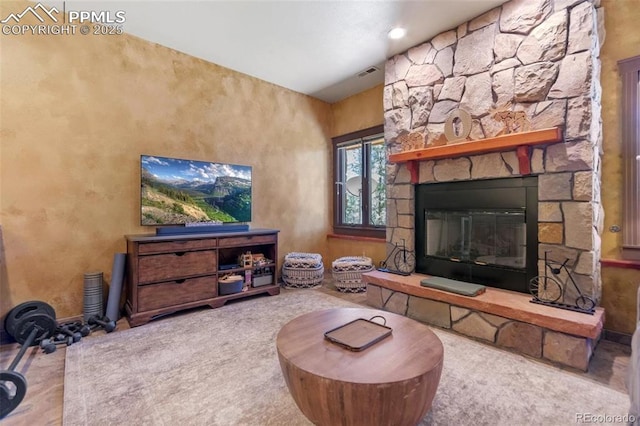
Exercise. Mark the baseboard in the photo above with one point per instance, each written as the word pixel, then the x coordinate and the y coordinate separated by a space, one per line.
pixel 617 337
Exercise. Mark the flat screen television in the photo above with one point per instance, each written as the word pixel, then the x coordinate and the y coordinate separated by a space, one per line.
pixel 175 191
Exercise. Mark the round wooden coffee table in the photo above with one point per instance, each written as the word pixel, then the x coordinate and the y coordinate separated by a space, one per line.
pixel 392 382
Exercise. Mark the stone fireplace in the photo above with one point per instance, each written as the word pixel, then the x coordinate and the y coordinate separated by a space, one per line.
pixel 536 56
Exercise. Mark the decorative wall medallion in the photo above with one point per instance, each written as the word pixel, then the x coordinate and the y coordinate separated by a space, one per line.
pixel 458 125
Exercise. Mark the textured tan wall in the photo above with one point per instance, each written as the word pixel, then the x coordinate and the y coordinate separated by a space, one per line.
pixel 619 299
pixel 358 112
pixel 619 286
pixel 354 113
pixel 77 112
pixel 622 41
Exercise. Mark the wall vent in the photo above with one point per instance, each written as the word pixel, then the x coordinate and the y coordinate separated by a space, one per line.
pixel 367 71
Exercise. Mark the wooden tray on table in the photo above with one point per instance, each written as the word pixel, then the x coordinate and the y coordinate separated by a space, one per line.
pixel 358 334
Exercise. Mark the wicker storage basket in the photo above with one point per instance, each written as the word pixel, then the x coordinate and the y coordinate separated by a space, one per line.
pixel 302 270
pixel 302 260
pixel 347 273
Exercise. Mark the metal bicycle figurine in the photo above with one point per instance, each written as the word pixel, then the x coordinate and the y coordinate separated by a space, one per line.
pixel 403 260
pixel 546 288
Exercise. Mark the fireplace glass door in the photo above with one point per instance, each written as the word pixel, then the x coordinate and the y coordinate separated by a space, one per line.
pixel 484 237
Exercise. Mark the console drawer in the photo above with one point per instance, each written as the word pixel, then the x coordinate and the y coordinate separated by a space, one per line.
pixel 176 246
pixel 247 241
pixel 170 266
pixel 171 293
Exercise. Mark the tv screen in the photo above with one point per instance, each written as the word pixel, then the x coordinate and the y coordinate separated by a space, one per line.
pixel 175 192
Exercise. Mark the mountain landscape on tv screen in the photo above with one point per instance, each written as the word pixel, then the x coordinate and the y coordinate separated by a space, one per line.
pixel 185 199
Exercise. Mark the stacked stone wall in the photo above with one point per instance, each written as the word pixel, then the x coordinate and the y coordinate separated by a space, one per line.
pixel 536 56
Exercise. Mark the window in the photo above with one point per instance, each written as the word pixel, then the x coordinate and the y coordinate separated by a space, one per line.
pixel 630 75
pixel 359 174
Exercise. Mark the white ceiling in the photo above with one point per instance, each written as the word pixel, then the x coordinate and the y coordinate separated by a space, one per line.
pixel 312 47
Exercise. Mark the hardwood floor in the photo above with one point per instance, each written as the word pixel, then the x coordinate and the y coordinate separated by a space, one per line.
pixel 44 373
pixel 42 404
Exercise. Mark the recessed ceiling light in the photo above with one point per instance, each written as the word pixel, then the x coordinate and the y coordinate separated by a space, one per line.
pixel 397 33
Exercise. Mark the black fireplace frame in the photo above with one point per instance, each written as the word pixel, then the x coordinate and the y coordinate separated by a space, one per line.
pixel 507 193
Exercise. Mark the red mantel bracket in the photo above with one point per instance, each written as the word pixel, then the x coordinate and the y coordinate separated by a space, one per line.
pixel 524 159
pixel 414 170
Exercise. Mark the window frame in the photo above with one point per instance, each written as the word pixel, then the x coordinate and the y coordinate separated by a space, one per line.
pixel 366 229
pixel 630 138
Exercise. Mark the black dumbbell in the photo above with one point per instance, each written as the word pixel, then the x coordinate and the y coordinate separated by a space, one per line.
pixel 49 345
pixel 103 322
pixel 28 323
pixel 78 327
pixel 75 335
pixel 83 329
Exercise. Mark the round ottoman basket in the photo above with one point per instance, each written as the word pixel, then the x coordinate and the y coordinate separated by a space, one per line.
pixel 302 270
pixel 347 273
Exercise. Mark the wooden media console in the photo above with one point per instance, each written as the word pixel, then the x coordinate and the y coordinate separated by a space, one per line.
pixel 169 273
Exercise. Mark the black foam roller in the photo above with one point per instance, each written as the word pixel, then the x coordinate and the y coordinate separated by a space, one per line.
pixel 115 288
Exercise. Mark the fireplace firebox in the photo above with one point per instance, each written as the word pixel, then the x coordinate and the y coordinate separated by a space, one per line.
pixel 483 231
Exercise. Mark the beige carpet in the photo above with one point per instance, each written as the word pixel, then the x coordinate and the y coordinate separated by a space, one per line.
pixel 220 367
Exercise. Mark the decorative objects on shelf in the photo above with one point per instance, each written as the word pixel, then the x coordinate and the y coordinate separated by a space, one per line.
pixel 458 125
pixel 262 270
pixel 230 284
pixel 439 141
pixel 247 264
pixel 512 121
pixel 302 270
pixel 410 141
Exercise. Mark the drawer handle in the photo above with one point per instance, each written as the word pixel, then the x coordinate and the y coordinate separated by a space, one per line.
pixel 180 253
pixel 180 281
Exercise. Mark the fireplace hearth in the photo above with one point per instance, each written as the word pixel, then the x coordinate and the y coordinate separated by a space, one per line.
pixel 483 231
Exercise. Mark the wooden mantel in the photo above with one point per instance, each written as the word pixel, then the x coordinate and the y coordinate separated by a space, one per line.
pixel 521 142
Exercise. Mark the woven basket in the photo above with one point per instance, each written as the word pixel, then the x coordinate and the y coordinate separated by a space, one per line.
pixel 347 273
pixel 302 260
pixel 302 278
pixel 302 270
